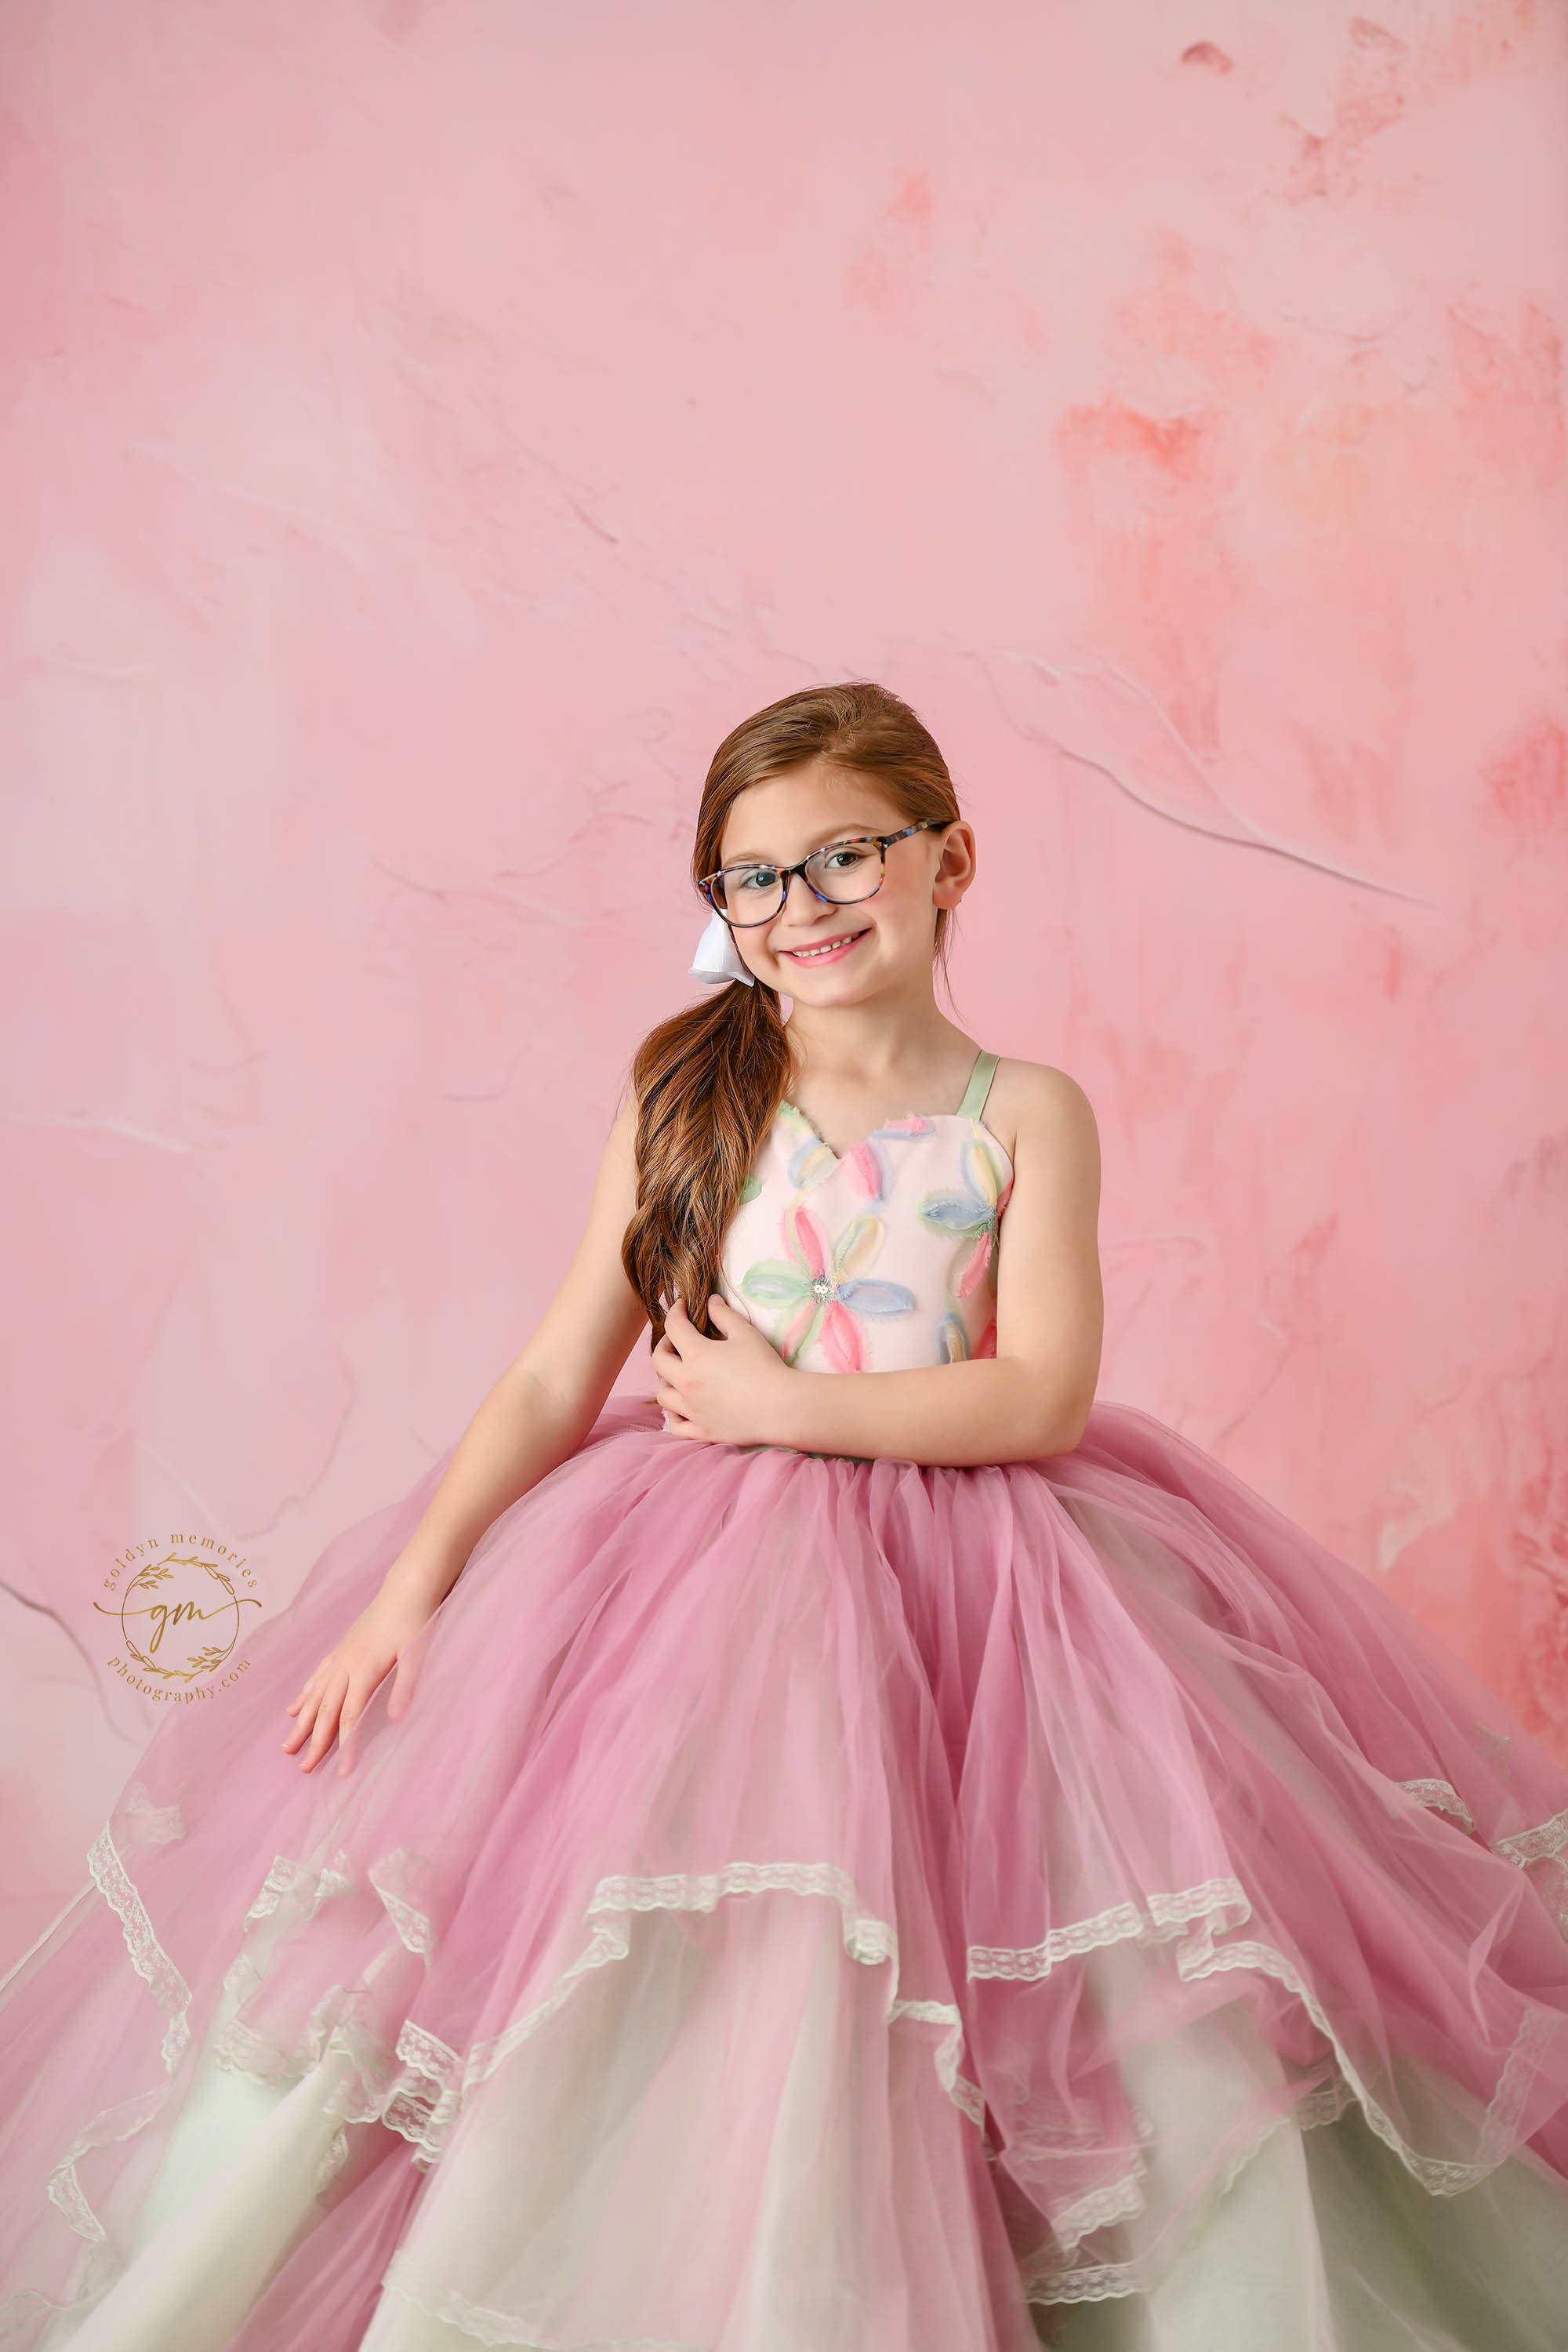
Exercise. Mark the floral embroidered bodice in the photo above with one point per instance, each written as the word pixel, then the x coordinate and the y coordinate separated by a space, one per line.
pixel 882 1258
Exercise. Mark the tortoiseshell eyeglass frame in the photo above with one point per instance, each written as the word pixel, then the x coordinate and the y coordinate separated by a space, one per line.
pixel 880 842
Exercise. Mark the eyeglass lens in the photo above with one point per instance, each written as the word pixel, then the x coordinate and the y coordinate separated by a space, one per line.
pixel 844 871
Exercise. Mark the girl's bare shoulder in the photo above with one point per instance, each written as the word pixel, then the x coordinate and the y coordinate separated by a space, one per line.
pixel 1034 1107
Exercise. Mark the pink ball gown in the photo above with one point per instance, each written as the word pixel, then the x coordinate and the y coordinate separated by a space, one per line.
pixel 820 1904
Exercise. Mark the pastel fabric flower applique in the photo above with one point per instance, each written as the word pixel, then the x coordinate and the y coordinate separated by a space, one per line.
pixel 886 1265
pixel 811 1162
pixel 953 1341
pixel 808 1161
pixel 824 1281
pixel 866 1166
pixel 970 1212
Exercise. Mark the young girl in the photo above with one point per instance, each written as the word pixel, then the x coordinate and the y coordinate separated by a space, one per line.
pixel 868 1851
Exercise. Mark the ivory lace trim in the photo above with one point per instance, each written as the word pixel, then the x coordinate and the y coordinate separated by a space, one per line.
pixel 173 1995
pixel 1443 1797
pixel 411 1923
pixel 1044 2280
pixel 488 2326
pixel 1222 1903
pixel 147 1957
pixel 155 1824
pixel 426 2117
pixel 422 2100
pixel 1123 2199
pixel 421 2096
pixel 1542 1842
pixel 1047 2283
pixel 1209 1903
pixel 1537 1844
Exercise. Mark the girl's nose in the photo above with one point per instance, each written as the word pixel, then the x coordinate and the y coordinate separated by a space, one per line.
pixel 813 897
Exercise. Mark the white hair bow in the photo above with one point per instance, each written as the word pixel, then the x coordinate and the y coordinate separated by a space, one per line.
pixel 718 959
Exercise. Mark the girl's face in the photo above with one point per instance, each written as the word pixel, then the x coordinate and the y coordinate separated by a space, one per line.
pixel 842 954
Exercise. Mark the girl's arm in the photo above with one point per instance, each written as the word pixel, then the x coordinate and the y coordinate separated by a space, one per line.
pixel 538 1412
pixel 1032 1398
pixel 550 1396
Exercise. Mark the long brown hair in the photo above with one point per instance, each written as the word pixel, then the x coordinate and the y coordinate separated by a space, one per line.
pixel 709 1080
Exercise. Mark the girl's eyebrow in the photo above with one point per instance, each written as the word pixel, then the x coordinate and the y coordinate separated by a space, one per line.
pixel 845 832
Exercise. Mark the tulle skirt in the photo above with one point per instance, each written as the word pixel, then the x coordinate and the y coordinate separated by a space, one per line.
pixel 819 1905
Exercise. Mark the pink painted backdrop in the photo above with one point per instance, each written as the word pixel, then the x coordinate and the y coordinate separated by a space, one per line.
pixel 429 427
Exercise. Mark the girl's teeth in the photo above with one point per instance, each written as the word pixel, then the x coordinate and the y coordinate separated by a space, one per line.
pixel 804 954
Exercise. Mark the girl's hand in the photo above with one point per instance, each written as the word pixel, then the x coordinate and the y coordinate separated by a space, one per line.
pixel 390 1633
pixel 731 1389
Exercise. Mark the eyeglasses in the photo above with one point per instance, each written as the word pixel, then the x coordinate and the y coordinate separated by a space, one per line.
pixel 840 872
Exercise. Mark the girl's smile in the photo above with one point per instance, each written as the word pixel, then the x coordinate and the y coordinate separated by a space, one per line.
pixel 830 951
pixel 884 923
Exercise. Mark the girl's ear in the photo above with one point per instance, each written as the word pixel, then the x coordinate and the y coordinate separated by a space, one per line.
pixel 955 866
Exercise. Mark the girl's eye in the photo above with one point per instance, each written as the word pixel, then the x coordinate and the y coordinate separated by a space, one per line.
pixel 755 878
pixel 843 860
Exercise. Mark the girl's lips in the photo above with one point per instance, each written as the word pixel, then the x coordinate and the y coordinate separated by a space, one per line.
pixel 827 955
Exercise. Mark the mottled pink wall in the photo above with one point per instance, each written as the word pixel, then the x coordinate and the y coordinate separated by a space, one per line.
pixel 429 428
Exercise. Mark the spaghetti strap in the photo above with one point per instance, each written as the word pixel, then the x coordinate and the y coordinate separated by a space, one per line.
pixel 979 1086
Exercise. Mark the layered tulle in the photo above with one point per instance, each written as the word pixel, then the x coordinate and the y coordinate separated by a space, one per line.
pixel 840 1905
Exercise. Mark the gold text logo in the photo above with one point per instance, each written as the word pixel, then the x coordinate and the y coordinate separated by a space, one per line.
pixel 179 1601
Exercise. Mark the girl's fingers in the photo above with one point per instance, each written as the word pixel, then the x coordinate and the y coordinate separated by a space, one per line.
pixel 327 1722
pixel 402 1682
pixel 301 1731
pixel 348 1723
pixel 309 1700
